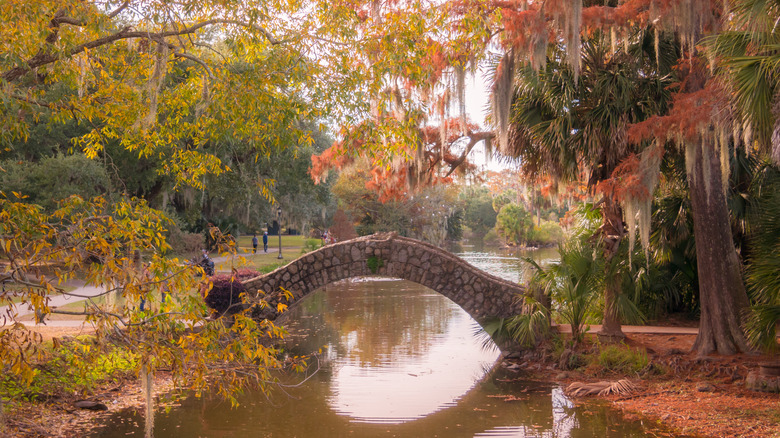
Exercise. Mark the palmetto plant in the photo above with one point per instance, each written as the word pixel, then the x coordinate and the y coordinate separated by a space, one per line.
pixel 574 129
pixel 751 58
pixel 574 284
pixel 764 263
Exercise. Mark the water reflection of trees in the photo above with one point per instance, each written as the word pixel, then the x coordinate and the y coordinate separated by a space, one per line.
pixel 373 328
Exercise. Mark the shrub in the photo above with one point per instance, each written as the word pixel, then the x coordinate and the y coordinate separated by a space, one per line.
pixel 310 245
pixel 546 234
pixel 374 263
pixel 184 243
pixel 225 293
pixel 78 367
pixel 246 273
pixel 621 359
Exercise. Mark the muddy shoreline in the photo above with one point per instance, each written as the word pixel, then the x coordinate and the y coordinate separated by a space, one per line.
pixel 697 397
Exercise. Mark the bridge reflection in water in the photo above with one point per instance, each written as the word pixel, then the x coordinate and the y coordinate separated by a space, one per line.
pixel 401 361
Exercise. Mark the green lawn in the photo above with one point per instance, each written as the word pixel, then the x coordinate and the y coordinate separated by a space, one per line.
pixel 245 242
pixel 292 248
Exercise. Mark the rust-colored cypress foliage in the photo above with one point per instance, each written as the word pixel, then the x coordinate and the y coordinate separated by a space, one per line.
pixel 342 228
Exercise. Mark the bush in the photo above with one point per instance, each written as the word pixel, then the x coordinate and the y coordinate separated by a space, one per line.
pixel 546 234
pixel 310 245
pixel 226 290
pixel 621 359
pixel 246 273
pixel 78 370
pixel 184 243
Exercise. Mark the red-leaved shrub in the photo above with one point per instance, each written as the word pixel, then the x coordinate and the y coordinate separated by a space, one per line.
pixel 226 290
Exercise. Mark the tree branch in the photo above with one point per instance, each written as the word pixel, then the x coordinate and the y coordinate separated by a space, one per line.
pixel 44 58
pixel 118 317
pixel 119 9
pixel 474 138
pixel 197 60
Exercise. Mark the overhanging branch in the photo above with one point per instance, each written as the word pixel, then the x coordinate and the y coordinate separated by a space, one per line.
pixel 474 138
pixel 43 58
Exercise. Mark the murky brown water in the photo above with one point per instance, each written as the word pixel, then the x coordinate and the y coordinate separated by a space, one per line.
pixel 402 361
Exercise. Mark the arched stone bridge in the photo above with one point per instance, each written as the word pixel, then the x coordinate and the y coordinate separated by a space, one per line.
pixel 388 255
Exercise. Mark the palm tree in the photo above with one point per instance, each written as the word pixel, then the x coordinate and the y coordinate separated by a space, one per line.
pixel 764 262
pixel 750 51
pixel 571 129
pixel 751 59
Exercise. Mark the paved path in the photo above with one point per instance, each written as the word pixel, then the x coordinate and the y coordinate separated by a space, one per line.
pixel 654 330
pixel 58 300
pixel 81 289
pixel 86 291
pixel 91 291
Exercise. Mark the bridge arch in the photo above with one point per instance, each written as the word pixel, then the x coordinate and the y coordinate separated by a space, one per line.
pixel 480 294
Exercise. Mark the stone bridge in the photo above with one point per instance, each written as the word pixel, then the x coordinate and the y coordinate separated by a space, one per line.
pixel 480 294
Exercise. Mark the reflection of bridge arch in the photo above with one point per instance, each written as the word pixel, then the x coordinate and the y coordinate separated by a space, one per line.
pixel 389 255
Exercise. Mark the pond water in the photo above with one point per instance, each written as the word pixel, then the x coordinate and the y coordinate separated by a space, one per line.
pixel 401 361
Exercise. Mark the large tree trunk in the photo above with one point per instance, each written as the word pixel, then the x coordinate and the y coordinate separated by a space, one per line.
pixel 721 290
pixel 613 232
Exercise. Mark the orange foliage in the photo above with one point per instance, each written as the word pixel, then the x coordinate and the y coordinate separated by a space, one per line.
pixel 691 114
pixel 335 157
pixel 396 181
pixel 525 22
pixel 434 61
pixel 521 28
pixel 632 12
pixel 627 180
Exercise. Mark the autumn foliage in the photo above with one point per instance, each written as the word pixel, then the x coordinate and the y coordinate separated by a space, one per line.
pixel 628 180
pixel 395 175
pixel 691 114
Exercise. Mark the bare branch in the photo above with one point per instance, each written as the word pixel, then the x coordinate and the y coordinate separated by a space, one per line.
pixel 57 20
pixel 197 60
pixel 474 138
pixel 119 9
pixel 45 58
pixel 119 318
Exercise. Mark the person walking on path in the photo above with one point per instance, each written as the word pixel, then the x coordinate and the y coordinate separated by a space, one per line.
pixel 254 244
pixel 265 241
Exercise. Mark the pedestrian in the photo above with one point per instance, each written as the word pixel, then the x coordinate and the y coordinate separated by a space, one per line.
pixel 265 241
pixel 206 263
pixel 254 244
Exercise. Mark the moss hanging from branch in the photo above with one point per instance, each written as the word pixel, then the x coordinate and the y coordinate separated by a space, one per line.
pixel 460 92
pixel 572 22
pixel 632 184
pixel 503 89
pixel 154 84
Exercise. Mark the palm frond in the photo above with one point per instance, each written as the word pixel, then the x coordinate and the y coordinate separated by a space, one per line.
pixel 761 326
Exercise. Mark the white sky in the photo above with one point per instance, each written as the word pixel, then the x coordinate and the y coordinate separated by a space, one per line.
pixel 477 92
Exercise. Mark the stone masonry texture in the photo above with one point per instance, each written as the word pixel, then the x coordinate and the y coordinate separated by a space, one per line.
pixel 480 294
